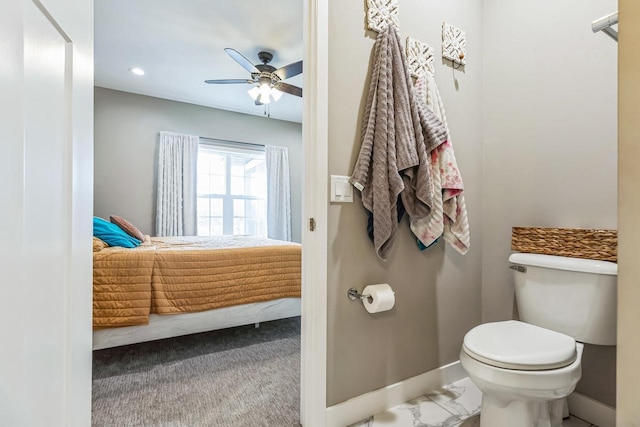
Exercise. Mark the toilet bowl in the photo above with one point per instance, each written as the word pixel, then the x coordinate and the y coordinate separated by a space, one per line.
pixel 533 372
pixel 525 369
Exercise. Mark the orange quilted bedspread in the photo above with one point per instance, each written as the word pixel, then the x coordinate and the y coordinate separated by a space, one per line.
pixel 122 286
pixel 169 275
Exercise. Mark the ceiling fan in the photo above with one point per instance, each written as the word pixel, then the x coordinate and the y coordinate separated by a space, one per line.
pixel 267 80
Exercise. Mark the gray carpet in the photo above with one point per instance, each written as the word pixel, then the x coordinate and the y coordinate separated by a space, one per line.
pixel 236 377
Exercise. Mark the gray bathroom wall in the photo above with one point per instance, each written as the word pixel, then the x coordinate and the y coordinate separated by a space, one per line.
pixel 437 290
pixel 550 141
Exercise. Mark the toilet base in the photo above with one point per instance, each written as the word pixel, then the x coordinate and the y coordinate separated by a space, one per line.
pixel 515 398
pixel 497 412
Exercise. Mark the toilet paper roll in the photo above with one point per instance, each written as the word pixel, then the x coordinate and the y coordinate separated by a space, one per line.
pixel 382 298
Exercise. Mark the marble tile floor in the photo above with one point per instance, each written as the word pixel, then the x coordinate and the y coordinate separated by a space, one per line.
pixel 455 405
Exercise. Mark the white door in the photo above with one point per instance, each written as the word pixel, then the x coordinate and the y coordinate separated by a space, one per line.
pixel 46 180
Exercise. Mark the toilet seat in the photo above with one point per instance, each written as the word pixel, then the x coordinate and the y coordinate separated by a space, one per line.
pixel 520 346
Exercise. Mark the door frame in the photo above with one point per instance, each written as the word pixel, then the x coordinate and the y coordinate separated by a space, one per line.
pixel 314 205
pixel 314 210
pixel 46 371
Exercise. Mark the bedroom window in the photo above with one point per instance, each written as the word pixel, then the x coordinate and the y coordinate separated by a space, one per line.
pixel 232 189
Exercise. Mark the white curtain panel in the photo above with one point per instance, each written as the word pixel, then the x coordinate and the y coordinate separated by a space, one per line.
pixel 278 193
pixel 177 192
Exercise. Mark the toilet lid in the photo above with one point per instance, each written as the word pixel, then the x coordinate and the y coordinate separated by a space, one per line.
pixel 518 345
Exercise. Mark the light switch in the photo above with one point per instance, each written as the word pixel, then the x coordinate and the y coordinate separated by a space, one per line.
pixel 341 189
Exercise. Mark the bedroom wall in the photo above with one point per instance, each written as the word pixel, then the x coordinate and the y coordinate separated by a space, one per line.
pixel 550 153
pixel 438 290
pixel 126 129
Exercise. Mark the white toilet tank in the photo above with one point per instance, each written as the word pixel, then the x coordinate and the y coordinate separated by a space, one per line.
pixel 574 296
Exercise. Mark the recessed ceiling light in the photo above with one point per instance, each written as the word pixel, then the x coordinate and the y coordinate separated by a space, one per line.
pixel 137 71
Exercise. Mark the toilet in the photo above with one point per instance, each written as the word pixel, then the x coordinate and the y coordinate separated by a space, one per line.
pixel 525 369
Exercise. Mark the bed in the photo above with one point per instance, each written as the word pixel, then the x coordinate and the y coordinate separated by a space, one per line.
pixel 171 286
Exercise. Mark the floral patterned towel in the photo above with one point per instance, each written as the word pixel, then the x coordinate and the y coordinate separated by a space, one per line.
pixel 448 216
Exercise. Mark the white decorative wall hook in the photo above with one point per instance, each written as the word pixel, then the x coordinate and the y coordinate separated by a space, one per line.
pixel 454 44
pixel 420 57
pixel 381 13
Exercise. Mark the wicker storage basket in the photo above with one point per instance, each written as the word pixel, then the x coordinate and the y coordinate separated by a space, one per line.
pixel 570 242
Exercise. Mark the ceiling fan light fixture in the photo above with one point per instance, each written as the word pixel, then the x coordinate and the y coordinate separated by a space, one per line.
pixel 264 99
pixel 265 90
pixel 254 92
pixel 264 93
pixel 267 81
pixel 276 94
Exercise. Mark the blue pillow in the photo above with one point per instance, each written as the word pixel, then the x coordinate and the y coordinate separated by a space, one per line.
pixel 112 234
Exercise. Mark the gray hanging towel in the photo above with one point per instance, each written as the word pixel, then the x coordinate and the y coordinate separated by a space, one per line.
pixel 397 136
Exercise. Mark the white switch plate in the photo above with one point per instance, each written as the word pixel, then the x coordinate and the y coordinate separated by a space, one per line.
pixel 341 189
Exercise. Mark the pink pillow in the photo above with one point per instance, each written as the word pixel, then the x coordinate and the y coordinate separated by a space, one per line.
pixel 127 227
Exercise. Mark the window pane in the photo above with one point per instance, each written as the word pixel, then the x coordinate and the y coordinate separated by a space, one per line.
pixel 203 183
pixel 217 164
pixel 256 182
pixel 210 213
pixel 238 226
pixel 251 227
pixel 248 175
pixel 255 167
pixel 217 184
pixel 211 172
pixel 203 162
pixel 216 227
pixel 238 163
pixel 251 208
pixel 217 207
pixel 203 207
pixel 238 208
pixel 250 217
pixel 203 226
pixel 251 187
pixel 237 185
pixel 261 206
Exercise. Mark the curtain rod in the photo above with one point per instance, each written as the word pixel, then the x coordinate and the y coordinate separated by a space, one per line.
pixel 261 146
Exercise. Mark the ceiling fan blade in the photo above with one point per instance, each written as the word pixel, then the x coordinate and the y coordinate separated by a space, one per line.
pixel 290 89
pixel 246 64
pixel 289 70
pixel 228 81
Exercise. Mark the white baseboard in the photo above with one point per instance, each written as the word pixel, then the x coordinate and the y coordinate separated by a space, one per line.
pixel 366 405
pixel 361 407
pixel 591 410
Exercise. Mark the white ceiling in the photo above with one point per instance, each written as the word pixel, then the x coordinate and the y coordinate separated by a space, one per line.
pixel 179 44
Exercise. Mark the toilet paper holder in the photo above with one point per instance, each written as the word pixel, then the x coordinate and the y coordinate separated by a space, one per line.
pixel 354 295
